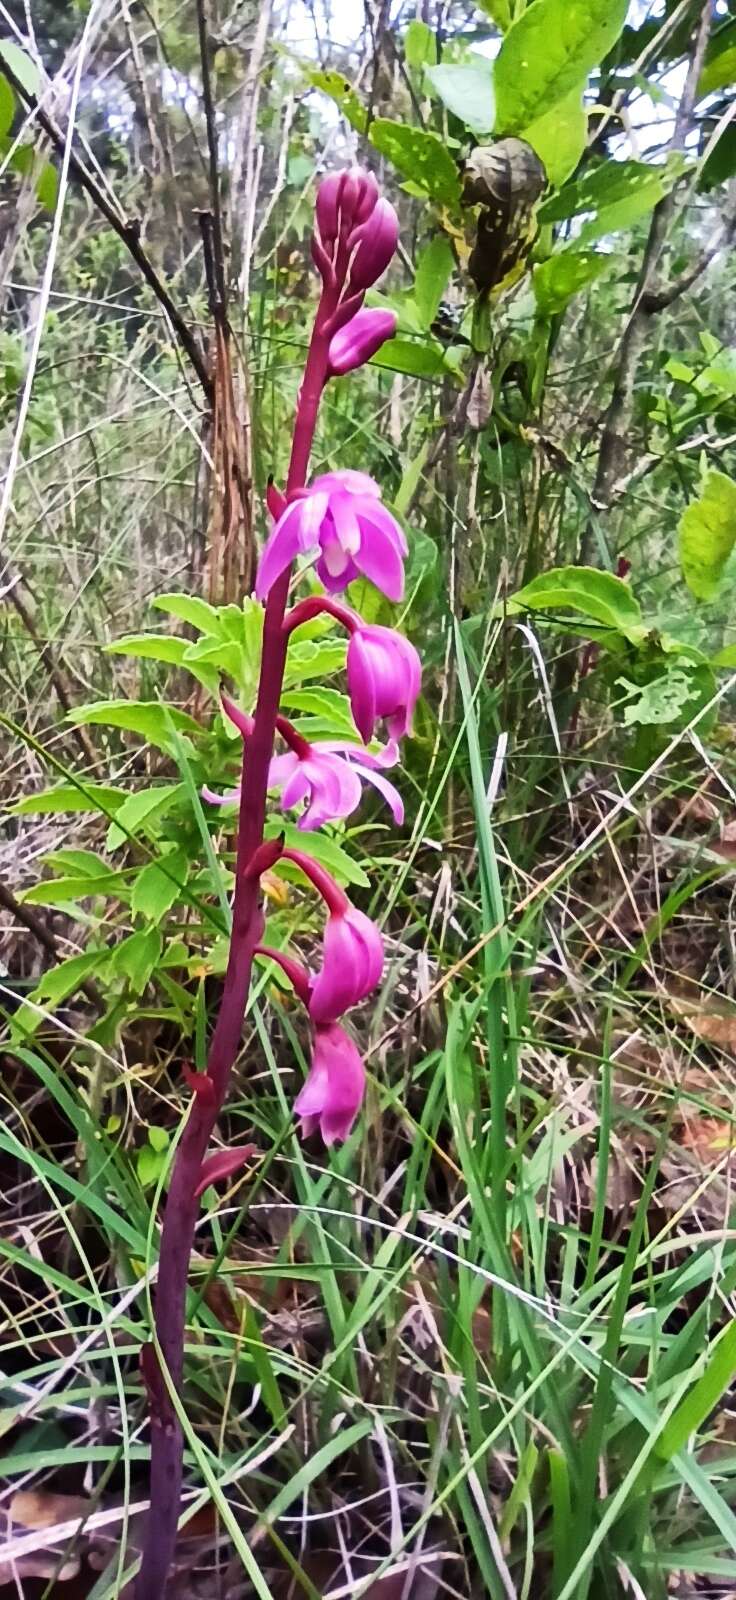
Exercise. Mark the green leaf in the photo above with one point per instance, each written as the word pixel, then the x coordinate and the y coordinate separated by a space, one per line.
pixel 707 535
pixel 720 165
pixel 420 46
pixel 421 156
pixel 150 647
pixel 659 701
pixel 47 186
pixel 329 705
pixel 556 281
pixel 7 105
pixel 136 958
pixel 719 69
pixel 339 89
pixel 63 980
pixel 467 91
pixel 434 267
pixel 21 65
pixel 144 717
pixel 159 885
pixel 703 1397
pixel 598 188
pixel 327 851
pixel 598 595
pixel 67 797
pixel 409 356
pixel 499 12
pixel 61 891
pixel 84 863
pixel 149 1165
pixel 141 808
pixel 410 479
pixel 630 208
pixel 158 1138
pixel 309 659
pixel 549 52
pixel 559 137
pixel 189 608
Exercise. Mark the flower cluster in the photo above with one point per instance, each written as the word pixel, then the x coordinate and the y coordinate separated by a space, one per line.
pixel 340 522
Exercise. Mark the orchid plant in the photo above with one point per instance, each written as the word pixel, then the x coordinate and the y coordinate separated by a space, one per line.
pixel 339 522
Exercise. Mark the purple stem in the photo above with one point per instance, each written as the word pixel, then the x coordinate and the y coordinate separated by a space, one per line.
pixel 182 1204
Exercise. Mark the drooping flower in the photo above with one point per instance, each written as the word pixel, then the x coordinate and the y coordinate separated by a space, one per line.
pixel 361 337
pixel 333 1092
pixel 330 778
pixel 352 964
pixel 342 519
pixel 384 680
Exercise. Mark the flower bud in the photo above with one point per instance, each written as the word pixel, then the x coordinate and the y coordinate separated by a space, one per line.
pixel 373 244
pixel 362 336
pixel 328 207
pixel 368 198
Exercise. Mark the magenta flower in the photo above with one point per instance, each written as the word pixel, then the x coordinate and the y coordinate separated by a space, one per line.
pixel 333 1092
pixel 340 517
pixel 384 680
pixel 373 243
pixel 345 200
pixel 361 337
pixel 330 778
pixel 352 964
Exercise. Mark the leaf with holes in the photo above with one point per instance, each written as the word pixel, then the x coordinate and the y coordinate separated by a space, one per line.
pixel 421 156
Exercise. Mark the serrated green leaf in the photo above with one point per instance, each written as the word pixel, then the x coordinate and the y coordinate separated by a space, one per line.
pixel 434 269
pixel 189 608
pixel 556 281
pixel 598 595
pixel 147 718
pixel 63 980
pixel 549 52
pixel 339 89
pixel 140 809
pixel 466 89
pixel 327 851
pixel 421 156
pixel 329 705
pixel 84 863
pixel 67 797
pixel 707 535
pixel 62 891
pixel 150 647
pixel 159 885
pixel 136 958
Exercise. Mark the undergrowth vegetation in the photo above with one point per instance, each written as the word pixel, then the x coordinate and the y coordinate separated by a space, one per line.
pixel 480 1339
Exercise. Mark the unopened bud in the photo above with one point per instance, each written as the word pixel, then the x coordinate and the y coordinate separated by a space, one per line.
pixel 359 340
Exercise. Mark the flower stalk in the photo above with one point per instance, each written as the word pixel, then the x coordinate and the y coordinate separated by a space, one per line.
pixel 356 238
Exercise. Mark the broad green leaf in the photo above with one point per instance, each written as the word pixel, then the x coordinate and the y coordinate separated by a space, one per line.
pixel 339 89
pixel 84 863
pixel 628 210
pixel 425 360
pixel 703 1397
pixel 719 69
pixel 598 595
pixel 59 982
pixel 159 884
pixel 548 53
pixel 499 12
pixel 564 275
pixel 148 718
pixel 598 188
pixel 559 137
pixel 327 851
pixel 62 891
pixel 149 1165
pixel 20 64
pixel 67 797
pixel 720 165
pixel 140 809
pixel 707 535
pixel 420 45
pixel 421 156
pixel 434 268
pixel 329 705
pixel 7 104
pixel 311 659
pixel 136 958
pixel 466 89
pixel 150 647
pixel 189 608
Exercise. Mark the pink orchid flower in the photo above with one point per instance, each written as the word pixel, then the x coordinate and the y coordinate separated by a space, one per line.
pixel 330 778
pixel 384 680
pixel 359 340
pixel 334 1089
pixel 341 517
pixel 352 964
